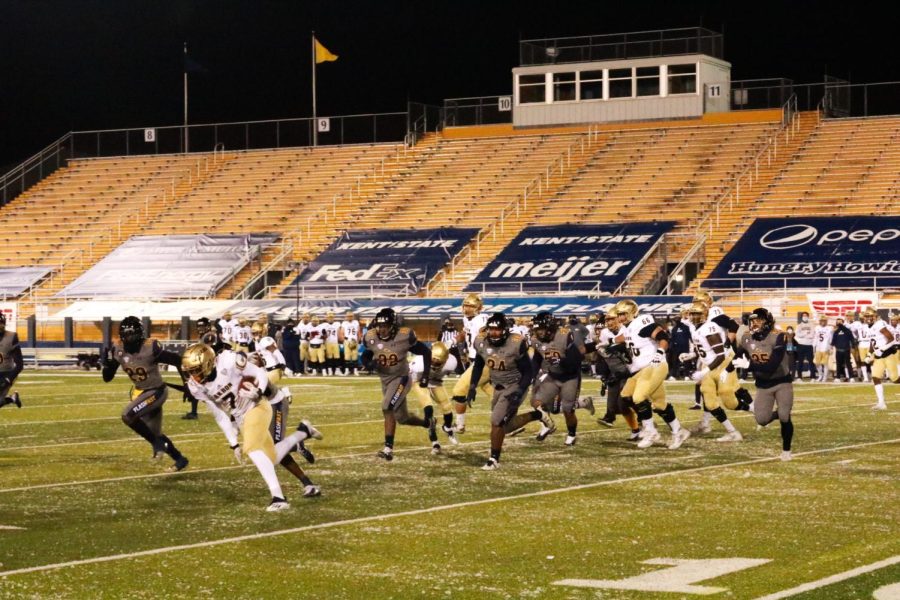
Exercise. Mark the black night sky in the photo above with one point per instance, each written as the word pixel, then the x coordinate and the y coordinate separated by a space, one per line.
pixel 97 64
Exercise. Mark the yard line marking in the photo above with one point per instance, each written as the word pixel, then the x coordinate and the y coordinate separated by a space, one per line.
pixel 838 577
pixel 60 421
pixel 429 510
pixel 12 527
pixel 124 401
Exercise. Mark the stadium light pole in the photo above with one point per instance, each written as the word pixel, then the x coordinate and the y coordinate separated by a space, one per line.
pixel 315 127
pixel 186 143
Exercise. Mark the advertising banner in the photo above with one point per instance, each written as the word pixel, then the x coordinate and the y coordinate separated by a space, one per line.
pixel 820 252
pixel 556 258
pixel 838 304
pixel 168 266
pixel 388 260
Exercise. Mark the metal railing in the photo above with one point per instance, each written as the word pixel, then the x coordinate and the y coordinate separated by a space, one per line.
pixel 615 46
pixel 538 185
pixel 335 292
pixel 34 169
pixel 522 288
pixel 659 246
pixel 674 285
pixel 787 286
pixel 250 289
pixel 480 110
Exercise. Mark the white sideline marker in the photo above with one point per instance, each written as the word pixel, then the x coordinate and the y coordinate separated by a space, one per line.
pixel 12 527
pixel 424 511
pixel 836 578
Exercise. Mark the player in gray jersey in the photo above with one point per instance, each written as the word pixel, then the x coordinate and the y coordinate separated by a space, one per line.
pixel 558 353
pixel 506 357
pixel 387 346
pixel 140 358
pixel 11 363
pixel 770 364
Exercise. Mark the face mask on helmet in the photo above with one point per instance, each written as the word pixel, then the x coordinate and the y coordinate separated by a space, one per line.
pixel 544 326
pixel 761 323
pixel 385 324
pixel 131 332
pixel 497 329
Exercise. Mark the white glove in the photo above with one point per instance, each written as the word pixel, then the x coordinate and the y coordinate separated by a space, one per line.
pixel 741 363
pixel 249 393
pixel 723 376
pixel 869 359
pixel 686 356
pixel 879 353
pixel 699 375
pixel 238 455
pixel 542 378
pixel 658 358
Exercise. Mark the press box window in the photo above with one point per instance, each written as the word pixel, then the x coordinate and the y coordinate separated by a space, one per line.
pixel 591 85
pixel 531 88
pixel 647 81
pixel 620 83
pixel 683 79
pixel 563 87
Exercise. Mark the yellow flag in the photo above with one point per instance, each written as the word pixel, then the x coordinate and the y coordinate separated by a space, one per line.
pixel 323 54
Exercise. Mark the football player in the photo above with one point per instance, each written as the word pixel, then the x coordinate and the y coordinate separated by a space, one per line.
pixel 442 363
pixel 242 335
pixel 332 349
pixel 613 369
pixel 473 322
pixel 280 399
pixel 557 361
pixel 646 343
pixel 882 354
pixel 864 342
pixel 717 378
pixel 718 316
pixel 272 359
pixel 316 336
pixel 226 326
pixel 11 364
pixel 823 333
pixel 767 358
pixel 232 389
pixel 349 337
pixel 302 330
pixel 387 346
pixel 140 358
pixel 256 330
pixel 504 356
pixel 204 327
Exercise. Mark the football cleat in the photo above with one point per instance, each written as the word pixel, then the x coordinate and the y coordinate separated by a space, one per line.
pixel 588 404
pixel 545 430
pixel 491 465
pixel 311 491
pixel 570 440
pixel 732 436
pixel 306 453
pixel 607 420
pixel 695 407
pixel 16 400
pixel 435 448
pixel 460 429
pixel 880 406
pixel 700 427
pixel 634 436
pixel 277 504
pixel 786 455
pixel 307 427
pixel 159 449
pixel 451 434
pixel 179 465
pixel 679 438
pixel 191 416
pixel 386 454
pixel 648 438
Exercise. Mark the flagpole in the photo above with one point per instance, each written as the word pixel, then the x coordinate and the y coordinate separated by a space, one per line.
pixel 186 145
pixel 315 127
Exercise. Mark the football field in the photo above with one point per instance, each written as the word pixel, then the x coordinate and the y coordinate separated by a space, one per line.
pixel 86 513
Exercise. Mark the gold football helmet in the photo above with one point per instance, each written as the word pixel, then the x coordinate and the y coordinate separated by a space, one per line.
pixel 869 316
pixel 439 354
pixel 703 297
pixel 306 316
pixel 895 319
pixel 823 320
pixel 200 360
pixel 472 305
pixel 627 309
pixel 315 320
pixel 850 314
pixel 227 315
pixel 350 316
pixel 329 316
pixel 257 329
pixel 242 322
pixel 698 313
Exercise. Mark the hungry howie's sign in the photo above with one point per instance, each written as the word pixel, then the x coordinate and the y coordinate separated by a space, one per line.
pixel 835 252
pixel 570 257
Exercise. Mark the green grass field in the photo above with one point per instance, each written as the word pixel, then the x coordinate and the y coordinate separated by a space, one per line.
pixel 87 514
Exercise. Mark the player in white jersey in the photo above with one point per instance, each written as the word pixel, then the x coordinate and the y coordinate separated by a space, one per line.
pixel 858 328
pixel 349 335
pixel 731 327
pixel 272 359
pixel 233 391
pixel 473 322
pixel 302 330
pixel 864 341
pixel 316 334
pixel 226 326
pixel 520 327
pixel 883 354
pixel 242 335
pixel 717 377
pixel 646 343
pixel 822 347
pixel 330 330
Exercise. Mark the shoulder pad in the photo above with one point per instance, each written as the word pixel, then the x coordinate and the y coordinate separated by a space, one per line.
pixel 516 337
pixel 564 330
pixel 403 330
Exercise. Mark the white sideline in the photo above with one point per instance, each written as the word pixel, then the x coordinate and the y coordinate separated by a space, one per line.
pixel 836 578
pixel 421 511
